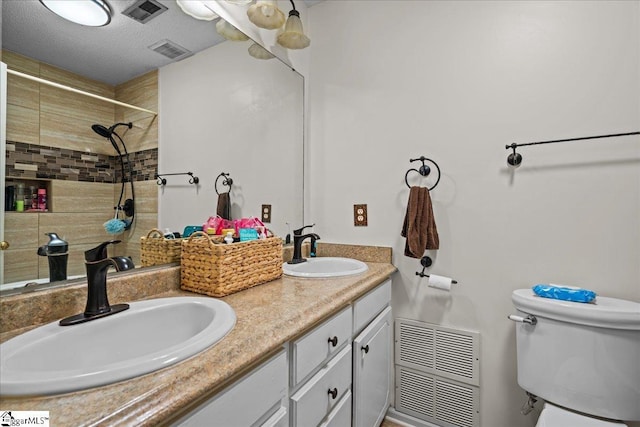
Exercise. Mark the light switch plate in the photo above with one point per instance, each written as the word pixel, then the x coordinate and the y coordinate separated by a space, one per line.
pixel 266 213
pixel 360 215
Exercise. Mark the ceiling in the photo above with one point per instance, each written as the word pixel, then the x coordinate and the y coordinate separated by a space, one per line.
pixel 112 54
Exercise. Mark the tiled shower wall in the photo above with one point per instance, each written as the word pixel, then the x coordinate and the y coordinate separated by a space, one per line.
pixel 31 161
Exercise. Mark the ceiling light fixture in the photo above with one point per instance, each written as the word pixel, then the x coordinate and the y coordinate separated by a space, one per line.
pixel 259 52
pixel 92 13
pixel 197 9
pixel 230 32
pixel 293 36
pixel 265 14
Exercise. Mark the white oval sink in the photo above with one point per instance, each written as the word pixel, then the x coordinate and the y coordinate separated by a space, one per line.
pixel 150 335
pixel 325 267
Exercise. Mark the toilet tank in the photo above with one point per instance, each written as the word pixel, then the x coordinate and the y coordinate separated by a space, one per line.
pixel 585 357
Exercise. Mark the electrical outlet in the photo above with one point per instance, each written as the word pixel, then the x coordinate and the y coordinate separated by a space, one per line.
pixel 266 213
pixel 360 215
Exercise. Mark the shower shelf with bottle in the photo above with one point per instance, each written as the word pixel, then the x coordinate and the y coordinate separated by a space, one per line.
pixel 27 195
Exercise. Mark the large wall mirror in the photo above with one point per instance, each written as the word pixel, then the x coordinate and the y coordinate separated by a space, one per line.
pixel 219 110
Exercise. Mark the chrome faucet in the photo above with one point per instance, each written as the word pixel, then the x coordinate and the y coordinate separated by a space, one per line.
pixel 97 263
pixel 298 238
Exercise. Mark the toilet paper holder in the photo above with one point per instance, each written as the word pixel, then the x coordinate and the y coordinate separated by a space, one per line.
pixel 426 262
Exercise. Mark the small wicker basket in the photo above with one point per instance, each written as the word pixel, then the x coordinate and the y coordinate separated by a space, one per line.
pixel 156 250
pixel 217 269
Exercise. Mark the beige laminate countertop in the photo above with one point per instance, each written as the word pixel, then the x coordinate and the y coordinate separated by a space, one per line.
pixel 267 316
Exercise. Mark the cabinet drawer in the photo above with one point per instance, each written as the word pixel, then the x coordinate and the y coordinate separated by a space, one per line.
pixel 279 419
pixel 246 401
pixel 313 402
pixel 367 308
pixel 340 416
pixel 314 348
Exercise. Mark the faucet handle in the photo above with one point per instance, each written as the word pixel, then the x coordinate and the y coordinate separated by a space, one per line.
pixel 99 252
pixel 298 232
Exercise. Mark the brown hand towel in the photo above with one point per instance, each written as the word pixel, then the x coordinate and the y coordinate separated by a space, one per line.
pixel 419 224
pixel 224 206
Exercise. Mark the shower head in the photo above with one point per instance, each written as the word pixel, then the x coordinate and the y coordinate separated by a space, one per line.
pixel 106 133
pixel 101 130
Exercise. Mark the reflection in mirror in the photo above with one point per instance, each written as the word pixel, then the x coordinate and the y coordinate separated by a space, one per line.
pixel 238 115
pixel 222 110
pixel 63 178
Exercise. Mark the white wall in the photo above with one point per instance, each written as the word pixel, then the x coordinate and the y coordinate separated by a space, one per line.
pixel 456 81
pixel 225 111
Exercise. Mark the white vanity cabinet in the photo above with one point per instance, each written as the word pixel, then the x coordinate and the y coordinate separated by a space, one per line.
pixel 372 356
pixel 335 375
pixel 258 399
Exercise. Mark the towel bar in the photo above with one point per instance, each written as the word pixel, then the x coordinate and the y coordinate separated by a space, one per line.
pixel 163 181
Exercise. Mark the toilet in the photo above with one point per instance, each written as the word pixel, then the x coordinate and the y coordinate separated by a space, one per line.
pixel 582 359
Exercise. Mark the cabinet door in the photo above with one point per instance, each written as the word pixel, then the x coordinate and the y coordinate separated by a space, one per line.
pixel 255 396
pixel 371 371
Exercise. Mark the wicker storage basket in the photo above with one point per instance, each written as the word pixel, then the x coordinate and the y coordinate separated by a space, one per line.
pixel 155 249
pixel 214 268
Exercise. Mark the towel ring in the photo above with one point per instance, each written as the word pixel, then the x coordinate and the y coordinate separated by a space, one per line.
pixel 225 181
pixel 424 170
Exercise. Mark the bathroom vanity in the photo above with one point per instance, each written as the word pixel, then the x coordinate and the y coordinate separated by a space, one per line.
pixel 279 366
pixel 318 378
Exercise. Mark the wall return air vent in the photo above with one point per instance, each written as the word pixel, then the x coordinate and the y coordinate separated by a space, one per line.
pixel 144 10
pixel 437 373
pixel 171 50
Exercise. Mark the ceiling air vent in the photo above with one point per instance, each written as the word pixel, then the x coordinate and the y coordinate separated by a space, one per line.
pixel 144 10
pixel 171 50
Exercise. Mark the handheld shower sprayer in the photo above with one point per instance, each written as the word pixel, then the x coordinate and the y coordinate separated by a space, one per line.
pixel 116 225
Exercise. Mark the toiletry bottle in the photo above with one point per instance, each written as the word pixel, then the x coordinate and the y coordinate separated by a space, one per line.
pixel 229 237
pixel 9 198
pixel 34 197
pixel 20 197
pixel 42 199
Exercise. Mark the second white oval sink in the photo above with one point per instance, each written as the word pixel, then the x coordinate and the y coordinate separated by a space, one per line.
pixel 325 267
pixel 150 335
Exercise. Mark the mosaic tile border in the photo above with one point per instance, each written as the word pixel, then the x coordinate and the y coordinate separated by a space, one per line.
pixel 31 161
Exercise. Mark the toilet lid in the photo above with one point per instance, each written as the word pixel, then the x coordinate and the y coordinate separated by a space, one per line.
pixel 553 416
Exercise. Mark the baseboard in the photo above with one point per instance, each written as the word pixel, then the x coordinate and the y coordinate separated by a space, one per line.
pixel 406 420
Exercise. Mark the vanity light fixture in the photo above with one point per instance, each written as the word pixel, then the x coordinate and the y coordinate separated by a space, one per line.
pixel 91 13
pixel 230 32
pixel 265 14
pixel 293 36
pixel 259 52
pixel 197 9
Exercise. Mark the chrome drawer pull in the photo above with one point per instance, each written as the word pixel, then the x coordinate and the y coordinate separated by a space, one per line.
pixel 530 319
pixel 333 341
pixel 333 393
